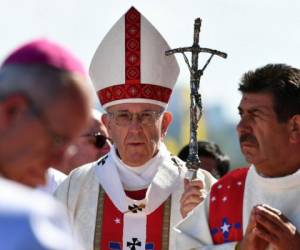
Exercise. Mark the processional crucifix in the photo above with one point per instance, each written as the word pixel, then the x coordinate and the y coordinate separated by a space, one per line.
pixel 193 162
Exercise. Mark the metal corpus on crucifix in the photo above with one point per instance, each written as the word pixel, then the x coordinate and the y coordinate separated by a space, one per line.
pixel 193 162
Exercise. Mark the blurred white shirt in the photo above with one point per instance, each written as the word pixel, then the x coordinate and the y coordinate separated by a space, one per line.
pixel 30 219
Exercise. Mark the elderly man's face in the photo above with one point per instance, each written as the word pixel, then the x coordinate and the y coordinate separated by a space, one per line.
pixel 37 141
pixel 263 140
pixel 137 142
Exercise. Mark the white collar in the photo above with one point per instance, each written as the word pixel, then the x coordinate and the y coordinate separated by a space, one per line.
pixel 140 179
pixel 166 178
pixel 284 182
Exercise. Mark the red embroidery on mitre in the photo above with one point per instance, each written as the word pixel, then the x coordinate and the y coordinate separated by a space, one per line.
pixel 132 47
pixel 129 91
pixel 226 207
pixel 132 88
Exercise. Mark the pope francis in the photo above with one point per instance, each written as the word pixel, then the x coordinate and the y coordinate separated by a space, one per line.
pixel 129 199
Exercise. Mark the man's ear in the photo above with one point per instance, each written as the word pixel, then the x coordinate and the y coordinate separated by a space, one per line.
pixel 166 121
pixel 294 129
pixel 11 108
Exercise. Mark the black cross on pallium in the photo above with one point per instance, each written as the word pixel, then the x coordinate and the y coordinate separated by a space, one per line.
pixel 135 242
pixel 136 208
pixel 102 160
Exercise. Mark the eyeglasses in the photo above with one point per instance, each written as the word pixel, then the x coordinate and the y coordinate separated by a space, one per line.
pixel 124 118
pixel 97 139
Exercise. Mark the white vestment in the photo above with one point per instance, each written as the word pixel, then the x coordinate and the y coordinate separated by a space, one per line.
pixel 280 193
pixel 53 179
pixel 163 177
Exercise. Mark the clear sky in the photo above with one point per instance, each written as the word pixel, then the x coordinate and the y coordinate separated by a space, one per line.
pixel 252 32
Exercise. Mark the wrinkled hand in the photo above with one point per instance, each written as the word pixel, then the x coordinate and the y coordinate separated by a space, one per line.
pixel 251 241
pixel 275 228
pixel 193 194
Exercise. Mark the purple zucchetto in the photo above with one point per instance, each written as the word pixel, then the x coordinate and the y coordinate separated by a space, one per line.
pixel 43 51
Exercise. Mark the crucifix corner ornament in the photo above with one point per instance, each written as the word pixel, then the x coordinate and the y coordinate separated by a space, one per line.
pixel 193 162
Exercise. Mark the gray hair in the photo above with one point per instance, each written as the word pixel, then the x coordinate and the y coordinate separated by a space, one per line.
pixel 40 83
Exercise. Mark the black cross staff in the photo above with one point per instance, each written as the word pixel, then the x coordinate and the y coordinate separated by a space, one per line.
pixel 193 161
pixel 135 242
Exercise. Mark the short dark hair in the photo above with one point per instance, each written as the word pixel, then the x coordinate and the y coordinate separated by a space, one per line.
pixel 282 82
pixel 212 150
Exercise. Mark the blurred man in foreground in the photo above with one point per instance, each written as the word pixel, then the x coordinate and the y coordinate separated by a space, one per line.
pixel 257 207
pixel 40 85
pixel 44 106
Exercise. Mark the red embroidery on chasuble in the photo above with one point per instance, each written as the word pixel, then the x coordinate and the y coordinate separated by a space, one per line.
pixel 155 229
pixel 226 207
pixel 112 225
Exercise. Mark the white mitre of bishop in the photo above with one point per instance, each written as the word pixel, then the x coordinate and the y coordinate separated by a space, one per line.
pixel 130 65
